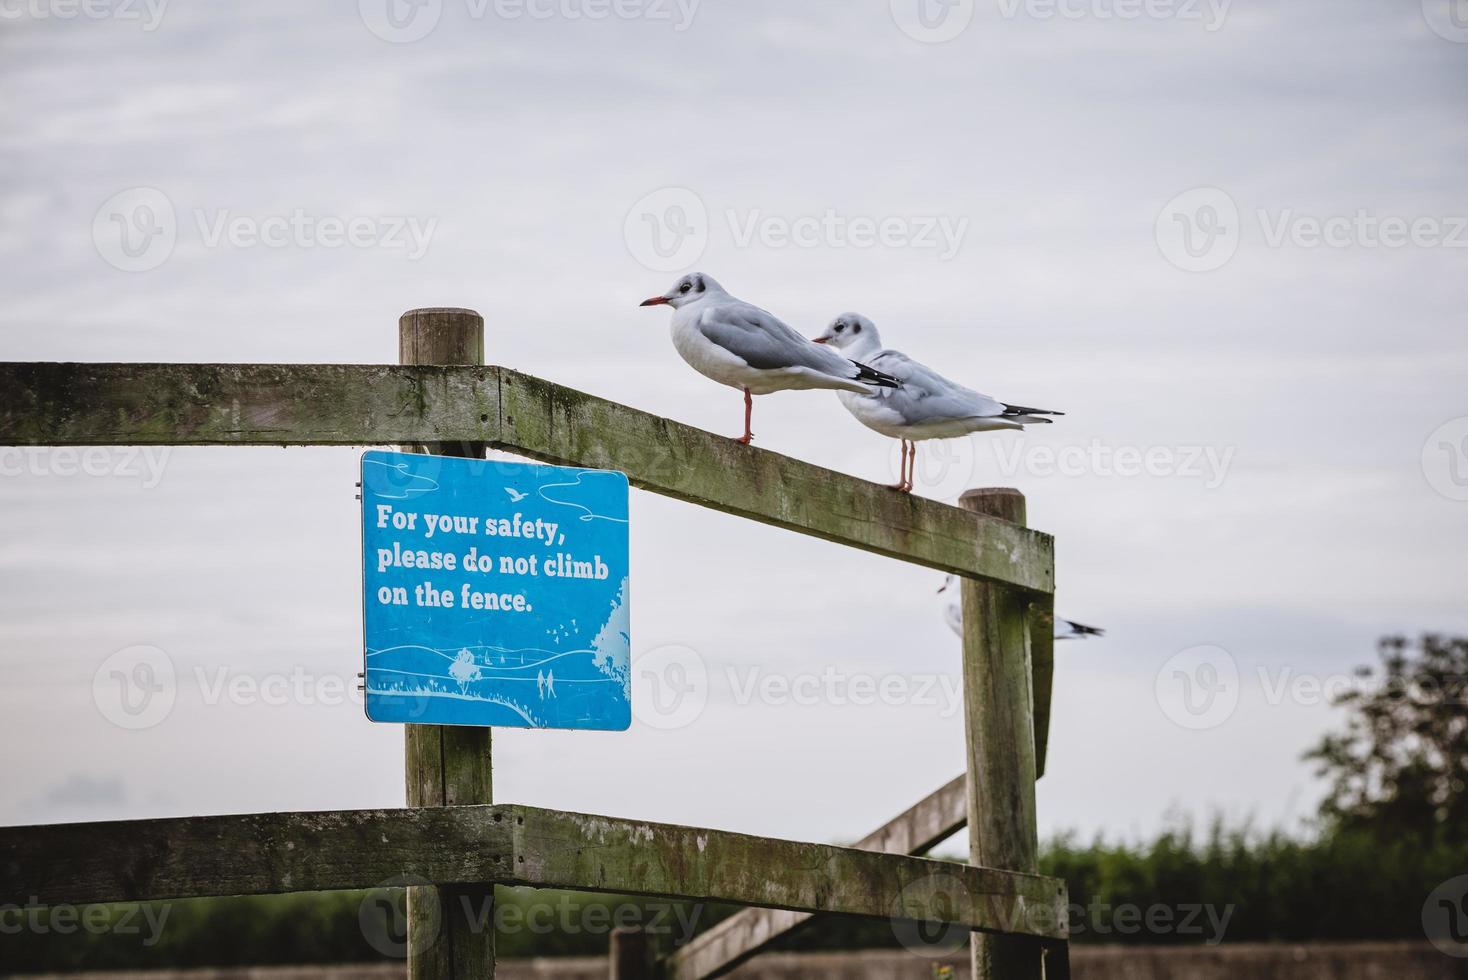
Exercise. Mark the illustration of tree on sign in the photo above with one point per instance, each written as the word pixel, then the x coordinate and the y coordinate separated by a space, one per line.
pixel 464 670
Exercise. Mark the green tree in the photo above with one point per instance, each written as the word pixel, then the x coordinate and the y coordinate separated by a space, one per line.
pixel 1400 767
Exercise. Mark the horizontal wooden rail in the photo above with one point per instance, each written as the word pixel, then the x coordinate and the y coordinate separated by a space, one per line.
pixel 740 937
pixel 337 404
pixel 272 853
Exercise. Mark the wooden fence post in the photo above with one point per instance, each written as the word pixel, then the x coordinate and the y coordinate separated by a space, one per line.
pixel 998 699
pixel 447 765
pixel 631 954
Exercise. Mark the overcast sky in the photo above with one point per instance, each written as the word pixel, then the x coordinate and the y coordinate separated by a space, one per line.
pixel 1227 240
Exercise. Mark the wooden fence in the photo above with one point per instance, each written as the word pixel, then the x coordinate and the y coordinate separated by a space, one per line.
pixel 452 838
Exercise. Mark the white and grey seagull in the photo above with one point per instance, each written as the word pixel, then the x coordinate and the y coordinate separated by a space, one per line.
pixel 744 347
pixel 926 405
pixel 1065 629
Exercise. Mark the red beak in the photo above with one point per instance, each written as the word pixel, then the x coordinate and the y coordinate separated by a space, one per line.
pixel 655 301
pixel 818 340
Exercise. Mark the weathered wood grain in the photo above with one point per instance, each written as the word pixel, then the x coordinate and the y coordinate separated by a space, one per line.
pixel 560 425
pixel 252 854
pixel 442 765
pixel 73 404
pixel 193 857
pixel 741 936
pixel 593 853
pixel 999 706
pixel 274 404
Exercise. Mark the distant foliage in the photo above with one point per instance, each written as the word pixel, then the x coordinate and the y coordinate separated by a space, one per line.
pixel 1400 767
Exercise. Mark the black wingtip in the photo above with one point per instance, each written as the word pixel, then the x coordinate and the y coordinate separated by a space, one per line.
pixel 873 376
pixel 1022 410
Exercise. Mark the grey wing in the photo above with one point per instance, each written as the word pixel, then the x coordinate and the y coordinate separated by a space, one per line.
pixel 766 343
pixel 927 396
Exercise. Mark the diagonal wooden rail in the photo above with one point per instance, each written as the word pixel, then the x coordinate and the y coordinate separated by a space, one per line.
pixel 270 853
pixel 60 404
pixel 740 937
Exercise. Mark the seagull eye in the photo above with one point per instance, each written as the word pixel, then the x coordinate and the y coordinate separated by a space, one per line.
pixel 685 287
pixel 840 327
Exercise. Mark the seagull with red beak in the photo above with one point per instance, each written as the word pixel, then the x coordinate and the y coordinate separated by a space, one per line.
pixel 926 405
pixel 740 345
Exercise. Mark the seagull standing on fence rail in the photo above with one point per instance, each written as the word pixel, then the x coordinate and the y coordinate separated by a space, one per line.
pixel 1065 629
pixel 742 346
pixel 926 406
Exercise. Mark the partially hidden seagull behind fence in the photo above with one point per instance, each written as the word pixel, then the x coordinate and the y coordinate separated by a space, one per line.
pixel 1065 629
pixel 926 406
pixel 742 346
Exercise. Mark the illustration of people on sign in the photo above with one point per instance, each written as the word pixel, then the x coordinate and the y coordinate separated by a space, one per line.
pixel 540 683
pixel 550 683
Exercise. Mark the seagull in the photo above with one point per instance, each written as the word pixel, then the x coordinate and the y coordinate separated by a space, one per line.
pixel 926 406
pixel 1065 629
pixel 515 495
pixel 742 346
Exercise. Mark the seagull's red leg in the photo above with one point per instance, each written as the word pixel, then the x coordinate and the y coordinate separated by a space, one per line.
pixel 745 439
pixel 901 467
pixel 911 464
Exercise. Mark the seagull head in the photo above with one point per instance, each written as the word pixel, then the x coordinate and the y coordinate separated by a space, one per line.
pixel 853 334
pixel 690 289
